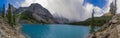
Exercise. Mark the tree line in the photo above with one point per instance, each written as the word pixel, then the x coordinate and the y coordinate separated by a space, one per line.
pixel 8 15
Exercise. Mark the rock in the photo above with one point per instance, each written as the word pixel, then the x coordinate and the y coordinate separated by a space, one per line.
pixel 12 8
pixel 20 10
pixel 106 35
pixel 6 31
pixel 92 36
pixel 38 12
pixel 110 29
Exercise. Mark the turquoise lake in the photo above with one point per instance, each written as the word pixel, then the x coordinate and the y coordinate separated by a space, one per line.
pixel 55 31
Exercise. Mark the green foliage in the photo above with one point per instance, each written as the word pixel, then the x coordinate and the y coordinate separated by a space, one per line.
pixel 3 11
pixel 14 20
pixel 98 21
pixel 27 15
pixel 92 19
pixel 113 7
pixel 92 25
pixel 9 14
pixel 11 18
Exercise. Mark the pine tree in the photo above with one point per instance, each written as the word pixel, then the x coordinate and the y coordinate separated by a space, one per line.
pixel 113 7
pixel 14 20
pixel 93 15
pixel 9 16
pixel 92 23
pixel 3 10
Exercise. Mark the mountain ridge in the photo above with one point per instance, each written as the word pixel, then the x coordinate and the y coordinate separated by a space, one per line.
pixel 39 13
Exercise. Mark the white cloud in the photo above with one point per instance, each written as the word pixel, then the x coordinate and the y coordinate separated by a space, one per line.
pixel 118 6
pixel 67 8
pixel 88 10
pixel 98 11
pixel 107 6
pixel 71 9
pixel 27 3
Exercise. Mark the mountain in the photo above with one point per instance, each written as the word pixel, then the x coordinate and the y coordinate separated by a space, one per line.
pixel 13 8
pixel 107 14
pixel 40 13
pixel 98 21
pixel 20 10
pixel 36 13
pixel 60 19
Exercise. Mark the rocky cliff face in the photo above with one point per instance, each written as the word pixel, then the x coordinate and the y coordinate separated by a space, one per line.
pixel 12 8
pixel 6 31
pixel 109 30
pixel 40 13
pixel 19 10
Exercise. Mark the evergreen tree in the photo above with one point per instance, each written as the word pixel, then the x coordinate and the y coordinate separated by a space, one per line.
pixel 113 8
pixel 3 10
pixel 9 15
pixel 14 20
pixel 92 23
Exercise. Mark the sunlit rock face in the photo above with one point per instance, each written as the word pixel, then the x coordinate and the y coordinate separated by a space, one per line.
pixel 40 13
pixel 20 10
pixel 38 9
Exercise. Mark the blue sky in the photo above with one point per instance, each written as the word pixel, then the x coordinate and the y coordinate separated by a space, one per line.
pixel 15 3
pixel 2 2
pixel 99 3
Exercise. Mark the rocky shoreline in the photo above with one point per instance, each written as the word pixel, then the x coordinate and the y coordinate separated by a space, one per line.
pixel 108 30
pixel 6 31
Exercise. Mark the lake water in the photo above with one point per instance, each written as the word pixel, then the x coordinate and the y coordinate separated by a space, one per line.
pixel 55 31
